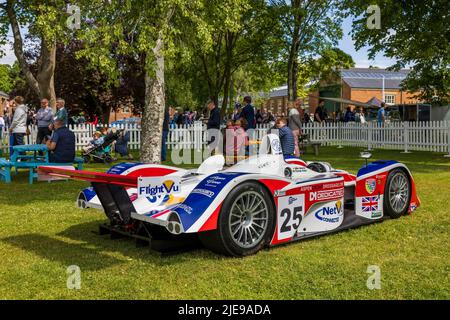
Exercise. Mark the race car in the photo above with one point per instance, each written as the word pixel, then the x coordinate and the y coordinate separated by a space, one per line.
pixel 264 200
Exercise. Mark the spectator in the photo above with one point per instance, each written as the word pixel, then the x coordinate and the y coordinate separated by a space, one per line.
pixel 259 117
pixel 121 145
pixel 61 113
pixel 349 115
pixel 2 126
pixel 295 124
pixel 213 124
pixel 319 114
pixel 165 133
pixel 44 118
pixel 61 144
pixel 248 113
pixel 381 114
pixel 96 142
pixel 19 122
pixel 286 137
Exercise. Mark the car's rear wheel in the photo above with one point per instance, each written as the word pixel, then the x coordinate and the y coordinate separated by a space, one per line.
pixel 245 223
pixel 397 194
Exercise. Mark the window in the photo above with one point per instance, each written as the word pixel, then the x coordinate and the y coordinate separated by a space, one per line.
pixel 389 98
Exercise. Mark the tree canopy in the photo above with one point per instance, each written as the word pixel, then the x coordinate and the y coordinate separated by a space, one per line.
pixel 417 34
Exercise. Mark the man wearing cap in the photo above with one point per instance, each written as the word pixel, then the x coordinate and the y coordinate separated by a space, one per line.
pixel 61 144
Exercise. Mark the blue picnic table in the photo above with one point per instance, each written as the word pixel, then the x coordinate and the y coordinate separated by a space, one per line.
pixel 30 157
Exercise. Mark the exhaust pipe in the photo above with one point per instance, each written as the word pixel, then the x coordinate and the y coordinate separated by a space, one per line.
pixel 174 225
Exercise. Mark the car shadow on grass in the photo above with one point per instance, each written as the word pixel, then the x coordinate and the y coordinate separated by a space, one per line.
pixel 62 252
pixel 88 233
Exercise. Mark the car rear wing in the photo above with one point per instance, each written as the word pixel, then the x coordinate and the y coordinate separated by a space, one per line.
pixel 98 177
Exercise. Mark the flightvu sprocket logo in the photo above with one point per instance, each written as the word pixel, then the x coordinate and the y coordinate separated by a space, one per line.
pixel 155 186
pixel 371 185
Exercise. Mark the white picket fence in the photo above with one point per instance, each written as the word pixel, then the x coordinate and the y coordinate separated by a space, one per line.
pixel 406 136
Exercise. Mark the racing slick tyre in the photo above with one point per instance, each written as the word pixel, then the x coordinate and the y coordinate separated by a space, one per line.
pixel 397 194
pixel 245 223
pixel 87 158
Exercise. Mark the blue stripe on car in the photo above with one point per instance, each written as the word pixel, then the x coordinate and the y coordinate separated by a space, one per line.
pixel 122 167
pixel 198 200
pixel 374 166
pixel 89 193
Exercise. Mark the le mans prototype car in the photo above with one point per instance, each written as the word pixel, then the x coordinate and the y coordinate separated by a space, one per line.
pixel 264 200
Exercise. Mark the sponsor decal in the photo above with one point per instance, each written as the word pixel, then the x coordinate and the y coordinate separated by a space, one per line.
pixel 214 181
pixel 206 193
pixel 370 204
pixel 376 214
pixel 330 214
pixel 412 207
pixel 292 200
pixel 276 146
pixel 158 186
pixel 185 208
pixel 299 169
pixel 333 185
pixel 371 185
pixel 326 194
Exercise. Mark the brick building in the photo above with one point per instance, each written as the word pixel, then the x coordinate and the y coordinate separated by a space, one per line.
pixel 362 85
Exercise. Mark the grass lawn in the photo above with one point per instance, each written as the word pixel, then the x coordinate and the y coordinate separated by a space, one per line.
pixel 42 233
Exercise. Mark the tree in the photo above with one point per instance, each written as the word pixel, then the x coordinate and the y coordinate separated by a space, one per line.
pixel 416 33
pixel 325 68
pixel 135 28
pixel 310 27
pixel 237 33
pixel 45 23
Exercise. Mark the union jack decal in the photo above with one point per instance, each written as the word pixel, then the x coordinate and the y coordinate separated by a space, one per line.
pixel 370 204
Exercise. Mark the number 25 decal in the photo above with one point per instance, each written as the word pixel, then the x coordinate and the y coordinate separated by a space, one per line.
pixel 289 222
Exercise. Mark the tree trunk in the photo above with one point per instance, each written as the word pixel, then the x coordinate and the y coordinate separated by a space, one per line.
pixel 43 84
pixel 153 115
pixel 292 76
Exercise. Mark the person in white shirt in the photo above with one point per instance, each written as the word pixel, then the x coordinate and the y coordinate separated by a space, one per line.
pixel 19 122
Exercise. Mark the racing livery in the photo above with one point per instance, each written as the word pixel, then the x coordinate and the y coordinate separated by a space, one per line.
pixel 264 200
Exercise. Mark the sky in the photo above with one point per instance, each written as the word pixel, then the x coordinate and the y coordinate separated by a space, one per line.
pixel 346 44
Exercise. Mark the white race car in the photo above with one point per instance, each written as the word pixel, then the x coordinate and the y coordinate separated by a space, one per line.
pixel 264 200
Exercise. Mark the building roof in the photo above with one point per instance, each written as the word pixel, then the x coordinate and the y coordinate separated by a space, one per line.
pixel 373 73
pixel 279 92
pixel 373 83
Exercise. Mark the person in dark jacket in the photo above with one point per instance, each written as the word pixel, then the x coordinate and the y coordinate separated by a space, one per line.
pixel 213 124
pixel 248 113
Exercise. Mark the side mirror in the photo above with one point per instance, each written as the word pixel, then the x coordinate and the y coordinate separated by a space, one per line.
pixel 365 155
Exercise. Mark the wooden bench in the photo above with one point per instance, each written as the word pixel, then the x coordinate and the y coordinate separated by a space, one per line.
pixel 33 174
pixel 5 170
pixel 5 167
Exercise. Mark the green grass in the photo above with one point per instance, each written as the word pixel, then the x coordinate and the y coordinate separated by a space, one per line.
pixel 42 233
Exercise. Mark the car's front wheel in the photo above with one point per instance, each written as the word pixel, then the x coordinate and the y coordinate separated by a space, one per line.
pixel 397 194
pixel 245 223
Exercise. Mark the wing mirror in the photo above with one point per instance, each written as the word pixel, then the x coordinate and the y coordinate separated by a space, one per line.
pixel 365 155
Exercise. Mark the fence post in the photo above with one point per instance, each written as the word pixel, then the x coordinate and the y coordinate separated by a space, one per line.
pixel 405 136
pixel 369 136
pixel 339 134
pixel 448 139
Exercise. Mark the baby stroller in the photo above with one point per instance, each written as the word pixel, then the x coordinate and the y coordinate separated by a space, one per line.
pixel 102 152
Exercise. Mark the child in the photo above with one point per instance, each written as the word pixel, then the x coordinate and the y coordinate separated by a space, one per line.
pixel 97 141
